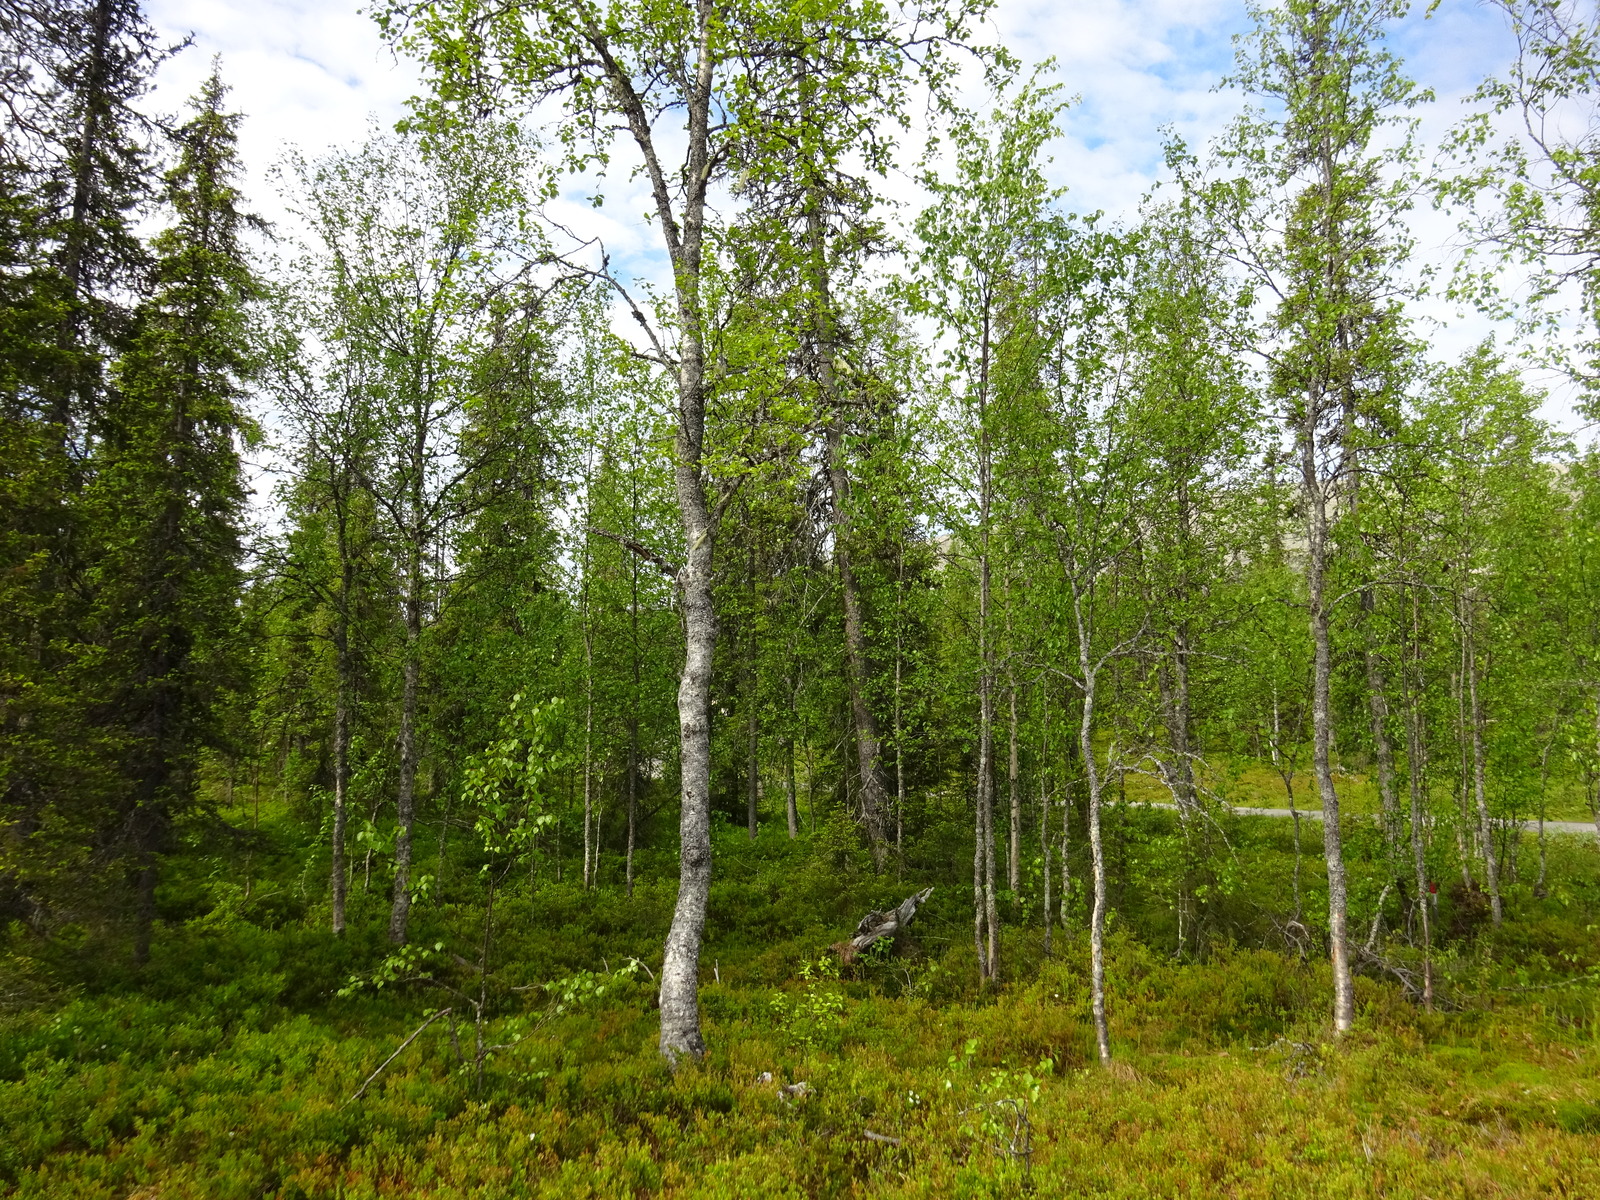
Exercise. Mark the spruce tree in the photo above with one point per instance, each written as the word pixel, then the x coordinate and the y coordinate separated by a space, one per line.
pixel 74 181
pixel 167 503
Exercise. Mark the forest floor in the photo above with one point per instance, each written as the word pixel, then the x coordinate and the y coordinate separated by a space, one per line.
pixel 230 1066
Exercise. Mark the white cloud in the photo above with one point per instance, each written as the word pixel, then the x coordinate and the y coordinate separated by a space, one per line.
pixel 313 75
pixel 304 74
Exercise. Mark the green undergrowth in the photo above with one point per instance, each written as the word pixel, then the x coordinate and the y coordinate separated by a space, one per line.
pixel 230 1066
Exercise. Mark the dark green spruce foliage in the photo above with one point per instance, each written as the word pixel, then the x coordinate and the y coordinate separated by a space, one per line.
pixel 75 179
pixel 166 503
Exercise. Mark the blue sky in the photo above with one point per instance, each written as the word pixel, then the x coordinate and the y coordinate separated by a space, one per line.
pixel 314 74
pixel 311 73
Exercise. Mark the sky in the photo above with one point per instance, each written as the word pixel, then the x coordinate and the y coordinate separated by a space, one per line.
pixel 315 75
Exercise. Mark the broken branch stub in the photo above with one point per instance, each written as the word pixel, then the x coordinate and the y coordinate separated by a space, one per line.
pixel 876 926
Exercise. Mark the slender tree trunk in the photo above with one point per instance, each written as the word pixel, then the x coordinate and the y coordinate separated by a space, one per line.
pixel 1173 681
pixel 790 806
pixel 1418 785
pixel 1378 716
pixel 753 771
pixel 405 794
pixel 1491 864
pixel 1014 848
pixel 987 917
pixel 990 896
pixel 341 758
pixel 1465 820
pixel 1322 722
pixel 899 728
pixel 752 707
pixel 899 769
pixel 1097 917
pixel 874 795
pixel 146 908
pixel 633 800
pixel 1069 782
pixel 980 908
pixel 1544 784
pixel 680 1005
pixel 1597 755
pixel 680 968
pixel 1014 795
pixel 1286 773
pixel 1351 471
pixel 1044 820
pixel 589 849
pixel 633 718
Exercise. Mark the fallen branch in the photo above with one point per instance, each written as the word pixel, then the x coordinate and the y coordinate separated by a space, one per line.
pixel 362 1090
pixel 880 1137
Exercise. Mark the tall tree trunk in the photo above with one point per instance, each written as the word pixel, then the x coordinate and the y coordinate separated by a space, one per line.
pixel 680 967
pixel 1044 817
pixel 1172 678
pixel 1544 785
pixel 633 717
pixel 1597 755
pixel 146 909
pixel 1418 788
pixel 899 729
pixel 1097 917
pixel 991 897
pixel 791 808
pixel 1417 781
pixel 753 772
pixel 680 1004
pixel 869 756
pixel 899 775
pixel 679 998
pixel 980 908
pixel 1069 780
pixel 1469 668
pixel 1322 720
pixel 1013 770
pixel 341 754
pixel 633 800
pixel 988 916
pixel 589 849
pixel 874 794
pixel 1383 748
pixel 1466 821
pixel 1285 770
pixel 405 792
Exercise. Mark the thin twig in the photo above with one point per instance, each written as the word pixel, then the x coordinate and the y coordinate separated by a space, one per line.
pixel 362 1090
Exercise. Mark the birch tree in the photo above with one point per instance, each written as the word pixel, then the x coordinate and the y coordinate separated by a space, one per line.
pixel 1313 218
pixel 691 88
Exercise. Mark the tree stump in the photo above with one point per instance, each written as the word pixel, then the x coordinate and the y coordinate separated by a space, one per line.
pixel 876 926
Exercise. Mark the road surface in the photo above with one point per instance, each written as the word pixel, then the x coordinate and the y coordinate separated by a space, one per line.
pixel 1315 814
